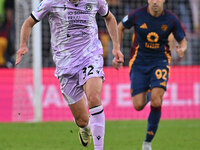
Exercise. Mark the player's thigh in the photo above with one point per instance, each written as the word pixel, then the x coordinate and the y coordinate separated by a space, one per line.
pixel 159 79
pixel 157 94
pixel 139 101
pixel 93 88
pixel 91 76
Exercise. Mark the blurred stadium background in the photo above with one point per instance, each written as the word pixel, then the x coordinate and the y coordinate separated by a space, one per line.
pixel 30 92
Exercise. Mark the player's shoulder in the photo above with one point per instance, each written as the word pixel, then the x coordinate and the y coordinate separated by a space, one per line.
pixel 171 15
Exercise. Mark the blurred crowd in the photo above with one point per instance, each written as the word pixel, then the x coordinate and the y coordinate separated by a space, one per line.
pixel 7 33
pixel 186 10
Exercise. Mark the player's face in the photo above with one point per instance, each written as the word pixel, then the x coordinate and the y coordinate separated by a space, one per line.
pixel 156 5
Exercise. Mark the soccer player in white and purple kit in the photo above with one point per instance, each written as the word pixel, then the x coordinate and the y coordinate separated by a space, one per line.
pixel 77 53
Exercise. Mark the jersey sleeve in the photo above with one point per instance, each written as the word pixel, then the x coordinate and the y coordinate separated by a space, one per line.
pixel 178 30
pixel 128 21
pixel 42 10
pixel 103 8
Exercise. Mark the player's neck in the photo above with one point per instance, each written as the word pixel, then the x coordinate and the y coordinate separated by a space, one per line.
pixel 155 13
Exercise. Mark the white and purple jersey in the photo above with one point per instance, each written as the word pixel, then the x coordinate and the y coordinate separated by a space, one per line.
pixel 74 32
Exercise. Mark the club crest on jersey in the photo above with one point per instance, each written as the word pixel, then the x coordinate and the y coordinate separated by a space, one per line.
pixel 164 27
pixel 88 7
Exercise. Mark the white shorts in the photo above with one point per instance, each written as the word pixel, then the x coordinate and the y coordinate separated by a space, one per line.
pixel 72 85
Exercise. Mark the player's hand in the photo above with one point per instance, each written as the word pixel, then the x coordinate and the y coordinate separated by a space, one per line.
pixel 118 59
pixel 22 51
pixel 180 51
pixel 115 64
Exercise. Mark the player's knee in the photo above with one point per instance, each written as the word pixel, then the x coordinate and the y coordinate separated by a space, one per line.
pixel 156 102
pixel 138 104
pixel 94 100
pixel 138 107
pixel 82 122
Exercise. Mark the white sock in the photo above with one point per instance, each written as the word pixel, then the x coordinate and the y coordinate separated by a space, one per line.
pixel 97 124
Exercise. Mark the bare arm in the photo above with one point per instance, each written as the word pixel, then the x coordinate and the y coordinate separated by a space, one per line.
pixel 24 36
pixel 111 25
pixel 120 37
pixel 121 29
pixel 181 48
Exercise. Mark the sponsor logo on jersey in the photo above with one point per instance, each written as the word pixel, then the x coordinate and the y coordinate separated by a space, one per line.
pixel 144 26
pixel 152 38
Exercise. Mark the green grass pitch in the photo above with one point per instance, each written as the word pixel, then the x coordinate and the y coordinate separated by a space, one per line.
pixel 120 135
